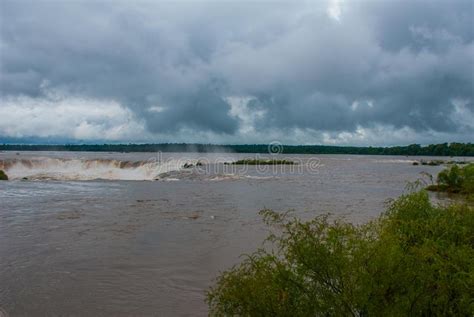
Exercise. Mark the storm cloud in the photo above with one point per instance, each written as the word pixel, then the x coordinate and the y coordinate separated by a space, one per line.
pixel 333 72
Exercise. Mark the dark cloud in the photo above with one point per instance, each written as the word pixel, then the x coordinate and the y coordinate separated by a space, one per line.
pixel 202 111
pixel 399 64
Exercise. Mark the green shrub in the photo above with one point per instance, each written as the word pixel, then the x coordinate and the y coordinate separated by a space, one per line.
pixel 416 259
pixel 455 179
pixel 3 176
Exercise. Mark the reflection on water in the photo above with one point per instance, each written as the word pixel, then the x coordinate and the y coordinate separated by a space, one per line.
pixel 124 248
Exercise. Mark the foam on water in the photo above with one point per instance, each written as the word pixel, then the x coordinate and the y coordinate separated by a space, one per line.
pixel 391 161
pixel 87 169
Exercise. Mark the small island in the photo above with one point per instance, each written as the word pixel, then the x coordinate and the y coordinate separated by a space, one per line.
pixel 263 162
pixel 3 176
pixel 438 162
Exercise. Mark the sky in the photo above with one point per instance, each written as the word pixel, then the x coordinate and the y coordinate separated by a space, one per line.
pixel 336 72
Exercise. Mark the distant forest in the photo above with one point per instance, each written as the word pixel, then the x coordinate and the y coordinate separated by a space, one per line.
pixel 444 149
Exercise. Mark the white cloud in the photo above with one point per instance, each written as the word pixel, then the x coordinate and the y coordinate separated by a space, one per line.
pixel 56 115
pixel 462 115
pixel 156 109
pixel 239 109
pixel 334 9
pixel 60 116
pixel 387 135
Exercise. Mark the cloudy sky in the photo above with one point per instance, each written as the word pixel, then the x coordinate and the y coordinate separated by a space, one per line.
pixel 343 72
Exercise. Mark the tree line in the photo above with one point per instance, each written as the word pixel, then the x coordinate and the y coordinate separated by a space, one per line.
pixel 443 149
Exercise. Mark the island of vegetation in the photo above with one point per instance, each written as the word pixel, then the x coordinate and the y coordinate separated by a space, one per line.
pixel 455 179
pixel 444 149
pixel 437 162
pixel 416 259
pixel 262 162
pixel 3 176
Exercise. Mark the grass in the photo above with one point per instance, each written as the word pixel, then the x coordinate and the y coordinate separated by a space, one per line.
pixel 263 162
pixel 416 259
pixel 455 179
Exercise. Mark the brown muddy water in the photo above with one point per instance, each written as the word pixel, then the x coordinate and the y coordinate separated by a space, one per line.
pixel 135 234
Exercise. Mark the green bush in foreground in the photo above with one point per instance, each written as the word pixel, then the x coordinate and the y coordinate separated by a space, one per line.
pixel 416 259
pixel 455 179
